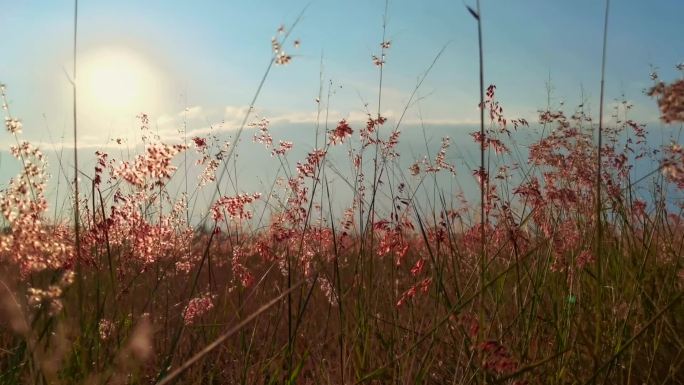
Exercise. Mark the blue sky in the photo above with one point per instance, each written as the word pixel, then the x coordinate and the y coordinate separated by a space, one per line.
pixel 209 56
pixel 212 54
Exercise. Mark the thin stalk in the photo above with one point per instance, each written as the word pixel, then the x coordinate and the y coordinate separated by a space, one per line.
pixel 207 349
pixel 599 222
pixel 482 145
pixel 483 249
pixel 250 110
pixel 376 173
pixel 77 238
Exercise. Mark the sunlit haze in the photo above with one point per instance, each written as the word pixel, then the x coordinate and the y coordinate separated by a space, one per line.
pixel 116 81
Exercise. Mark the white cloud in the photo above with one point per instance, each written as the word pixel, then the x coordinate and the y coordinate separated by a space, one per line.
pixel 191 112
pixel 235 114
pixel 203 120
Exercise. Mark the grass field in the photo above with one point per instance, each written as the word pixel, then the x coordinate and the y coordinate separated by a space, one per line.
pixel 567 268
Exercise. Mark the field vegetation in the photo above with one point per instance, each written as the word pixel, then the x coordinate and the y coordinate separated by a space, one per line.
pixel 566 268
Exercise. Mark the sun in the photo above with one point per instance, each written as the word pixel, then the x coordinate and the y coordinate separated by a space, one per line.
pixel 117 81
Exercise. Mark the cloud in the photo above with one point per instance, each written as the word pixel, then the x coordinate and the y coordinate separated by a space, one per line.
pixel 442 122
pixel 191 112
pixel 199 120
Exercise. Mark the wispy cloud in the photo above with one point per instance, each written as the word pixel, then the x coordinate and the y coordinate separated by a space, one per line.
pixel 201 120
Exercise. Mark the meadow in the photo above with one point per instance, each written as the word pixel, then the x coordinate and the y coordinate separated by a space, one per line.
pixel 565 267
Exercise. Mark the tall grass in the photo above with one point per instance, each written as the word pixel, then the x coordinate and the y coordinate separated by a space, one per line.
pixel 530 284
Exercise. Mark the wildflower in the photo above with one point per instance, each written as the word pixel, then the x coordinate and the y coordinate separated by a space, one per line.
pixel 197 307
pixel 200 143
pixel 240 271
pixel 520 122
pixel 440 162
pixel 673 164
pixel 639 208
pixel 23 206
pixel 418 267
pixel 275 45
pixel 235 206
pixel 209 173
pixel 263 136
pixel 481 175
pixel 478 137
pixel 415 169
pixel 670 100
pixel 389 146
pixel 584 258
pixel 373 124
pixel 283 148
pixel 341 132
pixel 13 125
pixel 155 164
pixel 490 91
pixel 422 286
pixel 393 241
pixel 67 279
pixel 50 298
pixel 282 58
pixel 499 146
pixel 357 161
pixel 105 328
pixel 328 290
pixel 313 159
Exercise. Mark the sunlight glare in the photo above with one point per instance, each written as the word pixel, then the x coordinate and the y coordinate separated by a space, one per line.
pixel 117 82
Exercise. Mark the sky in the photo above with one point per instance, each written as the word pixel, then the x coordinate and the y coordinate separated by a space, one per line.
pixel 200 63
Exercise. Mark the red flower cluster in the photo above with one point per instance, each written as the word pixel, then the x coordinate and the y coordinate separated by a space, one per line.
pixel 234 206
pixel 340 133
pixel 197 307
